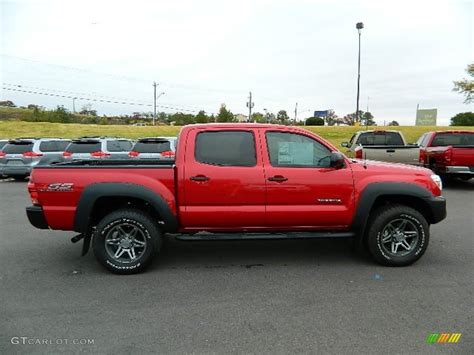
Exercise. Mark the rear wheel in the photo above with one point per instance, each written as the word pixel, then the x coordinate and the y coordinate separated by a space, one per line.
pixel 397 235
pixel 126 240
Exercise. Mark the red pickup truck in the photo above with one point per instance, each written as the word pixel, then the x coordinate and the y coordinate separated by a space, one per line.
pixel 448 153
pixel 238 181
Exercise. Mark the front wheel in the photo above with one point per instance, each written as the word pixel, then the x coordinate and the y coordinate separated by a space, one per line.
pixel 125 241
pixel 397 235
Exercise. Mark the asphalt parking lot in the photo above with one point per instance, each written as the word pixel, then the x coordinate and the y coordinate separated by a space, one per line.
pixel 247 297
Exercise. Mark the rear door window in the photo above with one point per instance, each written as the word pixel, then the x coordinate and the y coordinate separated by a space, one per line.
pixel 226 148
pixel 53 146
pixel 152 147
pixel 2 144
pixel 84 147
pixel 119 146
pixel 17 148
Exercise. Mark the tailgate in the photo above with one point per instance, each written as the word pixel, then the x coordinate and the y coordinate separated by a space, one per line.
pixel 395 154
pixel 462 156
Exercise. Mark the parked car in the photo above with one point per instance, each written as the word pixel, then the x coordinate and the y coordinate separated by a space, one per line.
pixel 154 148
pixel 3 142
pixel 238 181
pixel 448 153
pixel 20 155
pixel 382 145
pixel 91 148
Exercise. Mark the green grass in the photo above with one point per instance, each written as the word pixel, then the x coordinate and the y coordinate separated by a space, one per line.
pixel 336 135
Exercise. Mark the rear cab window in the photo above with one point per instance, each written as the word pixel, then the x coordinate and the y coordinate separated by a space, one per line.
pixel 18 147
pixel 453 139
pixel 117 146
pixel 53 146
pixel 296 150
pixel 380 138
pixel 226 148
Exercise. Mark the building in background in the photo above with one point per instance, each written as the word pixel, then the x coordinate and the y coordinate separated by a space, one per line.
pixel 240 117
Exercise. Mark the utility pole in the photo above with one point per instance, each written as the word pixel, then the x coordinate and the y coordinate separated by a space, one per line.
pixel 74 104
pixel 250 105
pixel 296 112
pixel 359 27
pixel 154 102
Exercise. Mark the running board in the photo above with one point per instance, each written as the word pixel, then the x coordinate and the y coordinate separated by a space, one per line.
pixel 263 236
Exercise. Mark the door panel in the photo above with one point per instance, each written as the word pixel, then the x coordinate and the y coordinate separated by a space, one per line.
pixel 224 185
pixel 303 192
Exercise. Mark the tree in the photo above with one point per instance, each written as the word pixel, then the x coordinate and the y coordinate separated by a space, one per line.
pixel 7 103
pixel 182 119
pixel 258 117
pixel 331 118
pixel 314 121
pixel 282 117
pixel 87 110
pixel 466 86
pixel 463 119
pixel 368 119
pixel 201 117
pixel 270 117
pixel 224 115
pixel 393 123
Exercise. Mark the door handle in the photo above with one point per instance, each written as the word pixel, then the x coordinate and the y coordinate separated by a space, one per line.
pixel 199 178
pixel 390 150
pixel 277 178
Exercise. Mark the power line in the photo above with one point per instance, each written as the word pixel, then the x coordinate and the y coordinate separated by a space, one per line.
pixel 178 109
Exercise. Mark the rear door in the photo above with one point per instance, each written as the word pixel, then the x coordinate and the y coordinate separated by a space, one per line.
pixel 224 186
pixel 303 191
pixel 79 150
pixel 119 148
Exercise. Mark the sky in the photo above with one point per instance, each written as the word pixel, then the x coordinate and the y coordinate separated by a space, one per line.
pixel 205 53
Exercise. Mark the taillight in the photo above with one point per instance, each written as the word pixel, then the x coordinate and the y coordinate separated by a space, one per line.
pixel 422 157
pixel 32 154
pixel 67 154
pixel 2 154
pixel 133 154
pixel 33 193
pixel 167 154
pixel 448 154
pixel 100 154
pixel 358 153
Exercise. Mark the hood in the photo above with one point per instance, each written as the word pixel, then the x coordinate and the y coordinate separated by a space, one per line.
pixel 381 165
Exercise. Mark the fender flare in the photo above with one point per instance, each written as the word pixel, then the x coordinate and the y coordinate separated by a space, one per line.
pixel 93 192
pixel 375 190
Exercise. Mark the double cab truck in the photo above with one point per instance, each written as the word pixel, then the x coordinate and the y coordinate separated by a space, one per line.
pixel 235 182
pixel 448 153
pixel 383 145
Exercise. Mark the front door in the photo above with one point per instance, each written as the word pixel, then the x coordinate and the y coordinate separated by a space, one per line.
pixel 224 186
pixel 303 191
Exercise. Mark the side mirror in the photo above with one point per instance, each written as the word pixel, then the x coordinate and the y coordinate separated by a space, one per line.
pixel 337 160
pixel 345 144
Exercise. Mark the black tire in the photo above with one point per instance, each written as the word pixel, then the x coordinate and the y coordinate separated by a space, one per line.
pixel 115 231
pixel 383 238
pixel 19 178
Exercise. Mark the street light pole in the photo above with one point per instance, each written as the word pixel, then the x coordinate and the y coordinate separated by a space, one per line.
pixel 154 102
pixel 74 104
pixel 359 27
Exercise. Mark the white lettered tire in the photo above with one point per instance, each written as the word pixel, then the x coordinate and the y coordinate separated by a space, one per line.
pixel 126 240
pixel 397 235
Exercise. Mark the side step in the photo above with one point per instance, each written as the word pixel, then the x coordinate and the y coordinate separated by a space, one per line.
pixel 263 236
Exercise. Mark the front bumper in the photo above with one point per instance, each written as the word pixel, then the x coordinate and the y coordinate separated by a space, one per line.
pixel 464 170
pixel 438 208
pixel 36 217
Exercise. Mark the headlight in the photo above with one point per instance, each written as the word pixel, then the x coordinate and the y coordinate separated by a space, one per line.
pixel 437 180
